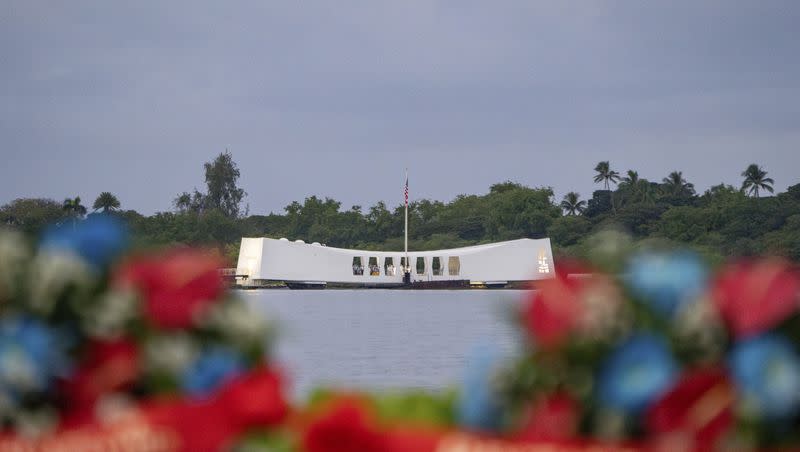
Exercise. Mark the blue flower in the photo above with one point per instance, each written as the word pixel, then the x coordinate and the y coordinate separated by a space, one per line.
pixel 210 370
pixel 636 373
pixel 767 371
pixel 98 240
pixel 666 281
pixel 479 407
pixel 31 355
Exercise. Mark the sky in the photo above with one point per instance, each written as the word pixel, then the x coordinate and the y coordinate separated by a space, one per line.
pixel 338 98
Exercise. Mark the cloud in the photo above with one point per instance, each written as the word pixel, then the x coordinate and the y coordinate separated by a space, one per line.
pixel 336 98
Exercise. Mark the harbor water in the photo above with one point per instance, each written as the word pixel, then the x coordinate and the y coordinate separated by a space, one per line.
pixel 384 339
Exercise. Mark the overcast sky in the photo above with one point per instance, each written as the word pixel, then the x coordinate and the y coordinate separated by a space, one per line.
pixel 336 98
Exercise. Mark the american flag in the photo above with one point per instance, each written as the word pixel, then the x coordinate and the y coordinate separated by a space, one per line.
pixel 406 190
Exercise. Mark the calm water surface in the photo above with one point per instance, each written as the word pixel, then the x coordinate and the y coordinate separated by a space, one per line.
pixel 382 339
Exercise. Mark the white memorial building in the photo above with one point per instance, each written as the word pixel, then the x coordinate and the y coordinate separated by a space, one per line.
pixel 313 265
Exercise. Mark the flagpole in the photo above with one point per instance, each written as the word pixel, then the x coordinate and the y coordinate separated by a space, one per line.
pixel 408 264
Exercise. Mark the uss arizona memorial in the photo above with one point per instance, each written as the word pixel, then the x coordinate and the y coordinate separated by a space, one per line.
pixel 302 265
pixel 313 265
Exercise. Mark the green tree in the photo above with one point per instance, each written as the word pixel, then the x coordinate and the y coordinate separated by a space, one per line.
pixel 675 185
pixel 272 225
pixel 572 204
pixel 568 230
pixel 755 179
pixel 631 178
pixel 519 212
pixel 31 215
pixel 684 223
pixel 502 187
pixel 784 241
pixel 319 220
pixel 647 191
pixel 599 204
pixel 793 192
pixel 379 219
pixel 722 195
pixel 221 177
pixel 190 202
pixel 634 189
pixel 749 218
pixel 74 209
pixel 605 174
pixel 182 202
pixel 106 201
pixel 427 216
pixel 466 216
pixel 639 218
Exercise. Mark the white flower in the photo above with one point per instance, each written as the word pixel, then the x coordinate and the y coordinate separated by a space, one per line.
pixel 698 324
pixel 108 317
pixel 238 321
pixel 13 255
pixel 170 353
pixel 604 316
pixel 51 274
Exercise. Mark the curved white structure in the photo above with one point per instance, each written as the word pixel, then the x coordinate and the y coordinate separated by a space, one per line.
pixel 298 263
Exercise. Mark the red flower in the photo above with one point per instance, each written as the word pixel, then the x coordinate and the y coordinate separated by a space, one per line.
pixel 554 308
pixel 254 399
pixel 699 407
pixel 176 286
pixel 197 426
pixel 106 367
pixel 553 418
pixel 407 438
pixel 572 301
pixel 251 400
pixel 344 428
pixel 757 295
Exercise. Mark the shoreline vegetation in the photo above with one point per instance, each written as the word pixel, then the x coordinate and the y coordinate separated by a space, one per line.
pixel 723 222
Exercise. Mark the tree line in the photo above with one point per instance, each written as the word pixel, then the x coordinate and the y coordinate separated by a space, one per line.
pixel 723 221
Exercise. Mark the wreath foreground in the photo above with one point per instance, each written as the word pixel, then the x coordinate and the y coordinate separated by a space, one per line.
pixel 103 351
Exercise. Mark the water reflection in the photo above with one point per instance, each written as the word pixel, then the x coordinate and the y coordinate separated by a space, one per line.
pixel 380 339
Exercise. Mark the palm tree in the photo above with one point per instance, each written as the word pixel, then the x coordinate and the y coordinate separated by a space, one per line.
pixel 190 202
pixel 632 178
pixel 74 209
pixel 647 191
pixel 572 205
pixel 183 202
pixel 675 184
pixel 605 174
pixel 629 187
pixel 106 201
pixel 755 179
